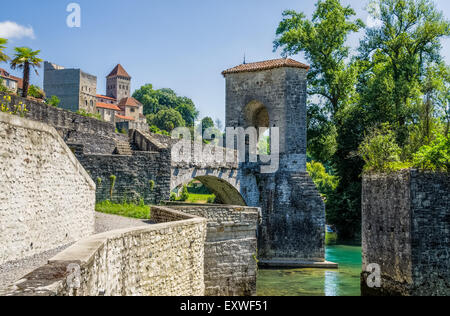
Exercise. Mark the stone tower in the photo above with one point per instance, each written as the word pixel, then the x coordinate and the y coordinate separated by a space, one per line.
pixel 118 83
pixel 273 94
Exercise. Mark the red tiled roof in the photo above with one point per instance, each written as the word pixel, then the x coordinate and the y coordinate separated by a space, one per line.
pixel 266 65
pixel 129 102
pixel 105 97
pixel 128 118
pixel 107 106
pixel 119 71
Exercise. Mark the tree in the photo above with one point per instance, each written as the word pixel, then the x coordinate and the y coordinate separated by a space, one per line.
pixel 396 55
pixel 25 58
pixel 188 111
pixel 3 56
pixel 322 40
pixel 166 120
pixel 206 123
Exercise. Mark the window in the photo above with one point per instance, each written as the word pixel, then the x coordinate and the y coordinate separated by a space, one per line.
pixel 132 110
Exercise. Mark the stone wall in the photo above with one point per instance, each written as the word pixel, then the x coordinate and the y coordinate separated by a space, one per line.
pixel 133 175
pixel 96 136
pixel 230 248
pixel 405 230
pixel 47 198
pixel 155 260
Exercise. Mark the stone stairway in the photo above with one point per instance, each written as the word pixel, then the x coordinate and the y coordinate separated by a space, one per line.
pixel 123 148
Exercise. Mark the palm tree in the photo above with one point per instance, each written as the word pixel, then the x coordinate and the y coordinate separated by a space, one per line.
pixel 25 58
pixel 3 56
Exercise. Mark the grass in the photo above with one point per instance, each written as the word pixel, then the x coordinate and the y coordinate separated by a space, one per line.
pixel 132 210
pixel 199 198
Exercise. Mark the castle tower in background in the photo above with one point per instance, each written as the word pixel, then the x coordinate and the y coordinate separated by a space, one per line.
pixel 118 83
pixel 273 94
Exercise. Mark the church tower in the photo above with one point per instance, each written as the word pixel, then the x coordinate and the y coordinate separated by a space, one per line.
pixel 118 83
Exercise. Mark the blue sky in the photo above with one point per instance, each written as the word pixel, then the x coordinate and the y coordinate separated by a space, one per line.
pixel 179 44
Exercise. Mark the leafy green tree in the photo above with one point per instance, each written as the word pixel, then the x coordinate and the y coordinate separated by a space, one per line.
pixel 3 56
pixel 25 58
pixel 163 99
pixel 167 120
pixel 396 55
pixel 435 157
pixel 322 40
pixel 206 123
pixel 188 111
pixel 326 183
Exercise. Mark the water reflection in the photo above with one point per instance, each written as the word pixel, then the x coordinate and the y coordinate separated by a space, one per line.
pixel 331 283
pixel 316 282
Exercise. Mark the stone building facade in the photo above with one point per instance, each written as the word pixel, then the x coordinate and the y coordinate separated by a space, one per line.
pixel 273 94
pixel 405 230
pixel 76 89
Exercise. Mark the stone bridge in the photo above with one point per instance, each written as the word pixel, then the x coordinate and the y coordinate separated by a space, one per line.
pixel 141 166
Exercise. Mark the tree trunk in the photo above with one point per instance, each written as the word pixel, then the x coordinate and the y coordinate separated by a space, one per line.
pixel 26 79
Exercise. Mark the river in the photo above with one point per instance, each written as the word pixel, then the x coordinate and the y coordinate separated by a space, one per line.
pixel 316 282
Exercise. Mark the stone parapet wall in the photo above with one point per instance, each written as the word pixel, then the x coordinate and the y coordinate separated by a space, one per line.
pixel 133 175
pixel 96 136
pixel 405 230
pixel 47 199
pixel 230 248
pixel 164 259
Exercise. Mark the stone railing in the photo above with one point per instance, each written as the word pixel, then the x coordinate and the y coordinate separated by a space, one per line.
pixel 156 260
pixel 230 248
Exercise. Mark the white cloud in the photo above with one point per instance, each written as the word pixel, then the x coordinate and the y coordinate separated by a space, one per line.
pixel 11 30
pixel 373 22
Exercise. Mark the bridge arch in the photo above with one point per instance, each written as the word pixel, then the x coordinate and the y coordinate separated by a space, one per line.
pixel 223 183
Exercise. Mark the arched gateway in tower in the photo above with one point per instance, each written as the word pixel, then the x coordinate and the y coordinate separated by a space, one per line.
pixel 273 94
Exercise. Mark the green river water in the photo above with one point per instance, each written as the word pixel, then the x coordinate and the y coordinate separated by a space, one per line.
pixel 316 282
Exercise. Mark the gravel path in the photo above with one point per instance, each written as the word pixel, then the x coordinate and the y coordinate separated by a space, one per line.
pixel 13 271
pixel 106 222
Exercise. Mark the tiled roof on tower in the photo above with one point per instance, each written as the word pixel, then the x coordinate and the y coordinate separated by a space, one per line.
pixel 266 65
pixel 129 102
pixel 119 71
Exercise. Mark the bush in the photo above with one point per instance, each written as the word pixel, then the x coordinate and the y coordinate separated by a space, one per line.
pixel 184 194
pixel 435 157
pixel 380 151
pixel 91 115
pixel 173 197
pixel 53 101
pixel 326 183
pixel 36 92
